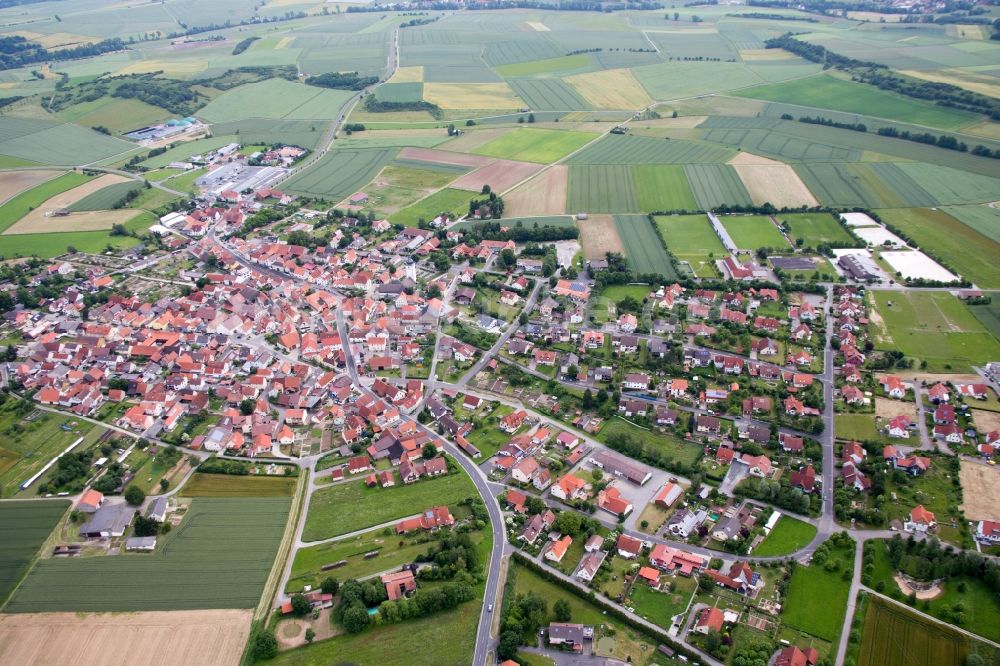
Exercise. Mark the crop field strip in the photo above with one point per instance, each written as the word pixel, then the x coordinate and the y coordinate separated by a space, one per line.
pixel 219 557
pixel 984 219
pixel 643 247
pixel 875 185
pixel 24 526
pixel 19 206
pixel 61 144
pixel 535 145
pixel 716 184
pixel 601 188
pixel 893 636
pixel 339 173
pixel 106 197
pixel 662 188
pixel 549 94
pixel 617 149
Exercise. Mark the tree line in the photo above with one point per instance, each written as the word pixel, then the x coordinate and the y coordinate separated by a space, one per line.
pixel 16 51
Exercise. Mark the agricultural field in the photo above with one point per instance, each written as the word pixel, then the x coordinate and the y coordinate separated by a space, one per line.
pixel 20 205
pixel 549 94
pixel 535 145
pixel 716 184
pixel 750 232
pixel 770 181
pixel 960 246
pixel 788 536
pixel 934 327
pixel 984 219
pixel 815 229
pixel 611 89
pixel 117 115
pixel 545 194
pixel 63 144
pixel 643 248
pixel 691 239
pixel 817 599
pixel 275 98
pixel 598 236
pixel 629 149
pixel 339 173
pixel 662 188
pixel 24 526
pixel 374 506
pixel 223 485
pixel 951 186
pixel 447 200
pixel 894 636
pixel 601 188
pixel 49 245
pixel 830 92
pixel 471 96
pixel 106 197
pixel 547 66
pixel 397 186
pixel 14 183
pixel 219 557
pixel 500 175
pixel 873 185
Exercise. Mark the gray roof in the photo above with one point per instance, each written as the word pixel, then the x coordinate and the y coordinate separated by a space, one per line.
pixel 158 507
pixel 112 518
pixel 140 543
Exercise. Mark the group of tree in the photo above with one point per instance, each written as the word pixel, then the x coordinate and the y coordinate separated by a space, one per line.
pixel 17 51
pixel 342 80
pixel 519 233
pixel 375 105
pixel 243 45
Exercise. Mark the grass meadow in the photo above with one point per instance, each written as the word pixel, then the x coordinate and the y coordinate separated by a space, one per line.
pixel 223 485
pixel 934 327
pixel 788 536
pixel 691 238
pixel 817 599
pixel 24 526
pixel 815 229
pixel 750 232
pixel 447 200
pixel 679 450
pixel 535 145
pixel 328 516
pixel 219 557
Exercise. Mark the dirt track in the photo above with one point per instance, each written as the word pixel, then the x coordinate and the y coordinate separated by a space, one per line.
pixel 207 637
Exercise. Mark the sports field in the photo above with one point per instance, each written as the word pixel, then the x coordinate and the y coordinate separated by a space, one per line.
pixel 373 506
pixel 210 637
pixel 535 145
pixel 750 232
pixel 24 526
pixel 219 557
pixel 934 327
pixel 691 238
pixel 643 248
pixel 960 245
pixel 447 200
pixel 815 229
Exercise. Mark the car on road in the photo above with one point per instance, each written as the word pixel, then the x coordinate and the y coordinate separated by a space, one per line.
pixel 489 609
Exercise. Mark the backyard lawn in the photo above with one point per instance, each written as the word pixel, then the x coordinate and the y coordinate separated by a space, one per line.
pixel 789 535
pixel 817 598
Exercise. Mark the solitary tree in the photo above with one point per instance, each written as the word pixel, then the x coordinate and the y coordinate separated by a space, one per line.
pixel 329 585
pixel 300 605
pixel 265 646
pixel 310 635
pixel 134 495
pixel 562 611
pixel 429 450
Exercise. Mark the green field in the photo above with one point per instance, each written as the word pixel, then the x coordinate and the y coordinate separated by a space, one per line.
pixel 788 536
pixel 716 184
pixel 629 149
pixel 601 188
pixel 662 188
pixel 875 185
pixel 894 636
pixel 373 506
pixel 106 197
pixel 984 219
pixel 643 248
pixel 563 65
pixel 951 186
pixel 971 253
pixel 856 427
pixel 24 526
pixel 222 485
pixel 815 229
pixel 219 557
pixel 989 316
pixel 659 607
pixel 829 92
pixel 339 173
pixel 447 200
pixel 691 238
pixel 681 451
pixel 750 232
pixel 49 143
pixel 535 145
pixel 934 327
pixel 118 115
pixel 19 206
pixel 275 98
pixel 549 94
pixel 46 246
pixel 817 599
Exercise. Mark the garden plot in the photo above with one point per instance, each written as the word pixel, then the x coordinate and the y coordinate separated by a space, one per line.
pixel 545 194
pixel 500 175
pixel 770 181
pixel 914 264
pixel 210 637
pixel 599 235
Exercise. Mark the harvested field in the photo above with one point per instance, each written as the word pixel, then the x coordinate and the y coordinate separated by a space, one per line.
pixel 980 491
pixel 777 184
pixel 443 157
pixel 611 89
pixel 13 183
pixel 500 175
pixel 412 74
pixel 890 409
pixel 472 96
pixel 599 235
pixel 543 195
pixel 96 220
pixel 213 637
pixel 70 197
pixel 986 421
